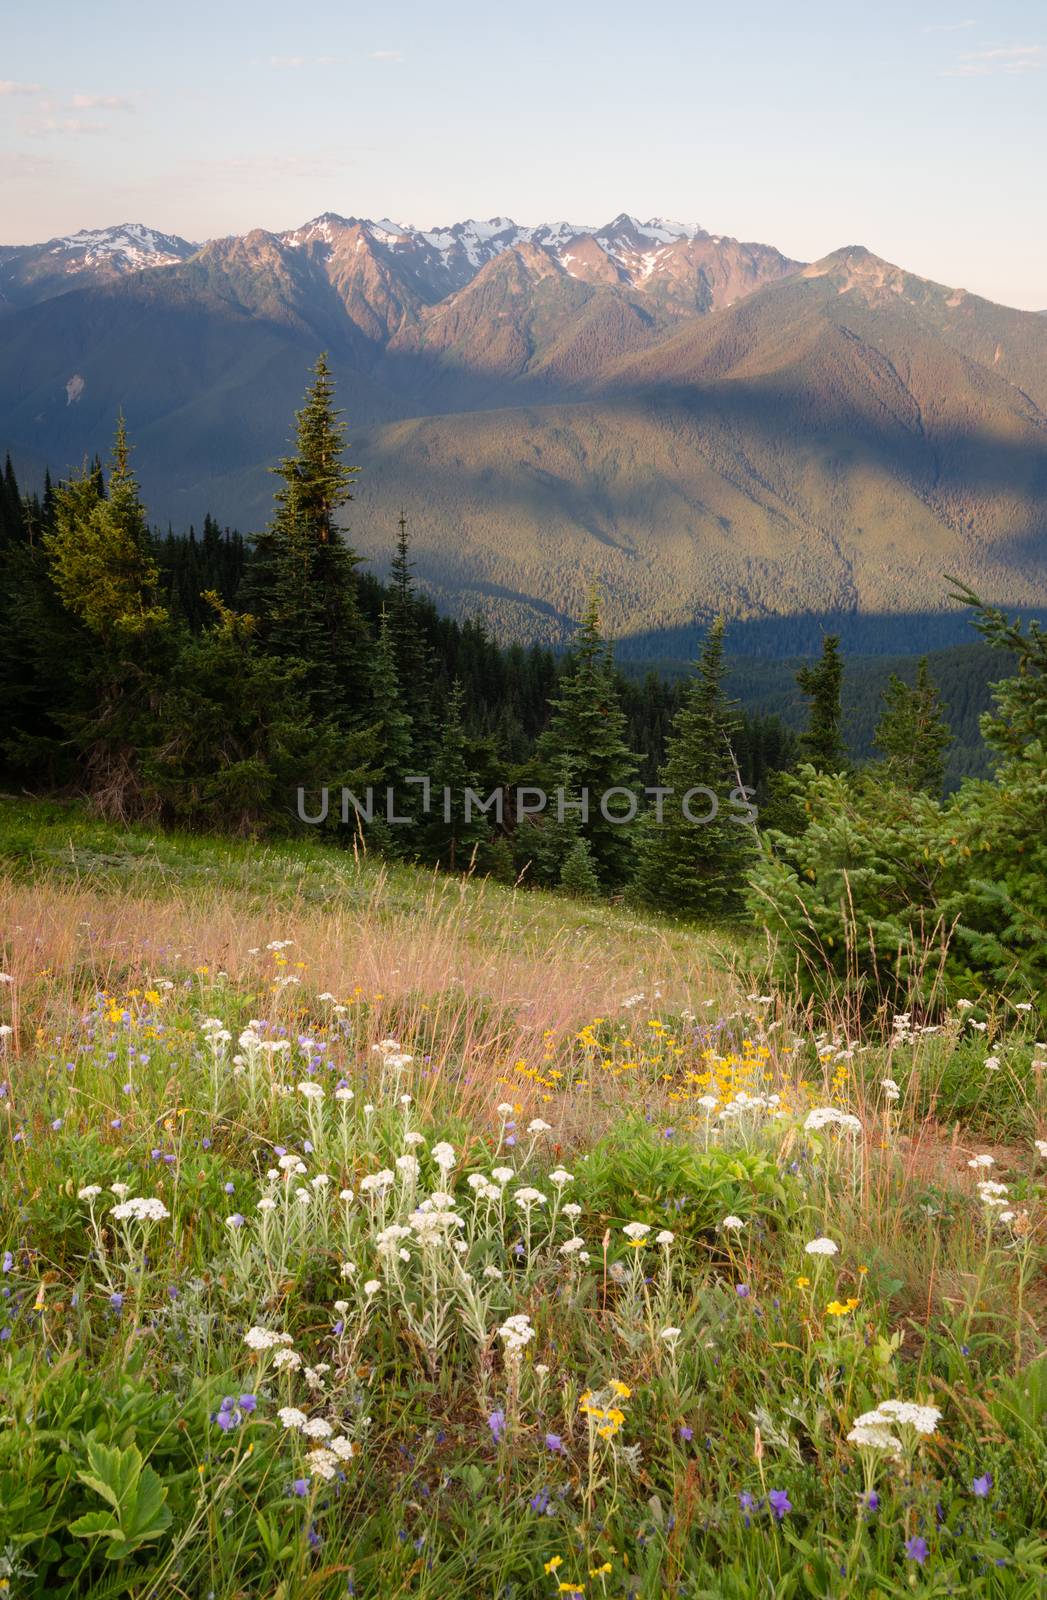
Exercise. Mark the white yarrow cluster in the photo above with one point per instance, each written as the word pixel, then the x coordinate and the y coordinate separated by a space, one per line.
pixel 140 1209
pixel 831 1117
pixel 900 1414
pixel 265 1338
pixel 516 1334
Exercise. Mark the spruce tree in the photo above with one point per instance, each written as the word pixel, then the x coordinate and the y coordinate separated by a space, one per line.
pixel 101 565
pixel 240 738
pixel 411 653
pixel 448 839
pixel 578 875
pixel 822 743
pixel 912 735
pixel 586 738
pixel 301 581
pixel 43 649
pixel 693 868
pixel 391 720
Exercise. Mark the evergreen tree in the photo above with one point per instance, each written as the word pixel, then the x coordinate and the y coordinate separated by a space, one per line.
pixel 302 582
pixel 411 654
pixel 101 566
pixel 391 720
pixel 822 744
pixel 586 738
pixel 912 735
pixel 11 525
pixel 239 736
pixel 689 868
pixel 449 840
pixel 578 875
pixel 42 647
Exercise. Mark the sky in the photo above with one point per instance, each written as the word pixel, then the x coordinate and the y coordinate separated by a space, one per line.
pixel 918 129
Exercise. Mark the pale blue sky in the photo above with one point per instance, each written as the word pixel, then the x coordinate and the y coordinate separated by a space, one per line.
pixel 917 129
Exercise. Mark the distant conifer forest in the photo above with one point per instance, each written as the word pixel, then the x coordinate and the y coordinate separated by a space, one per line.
pixel 210 681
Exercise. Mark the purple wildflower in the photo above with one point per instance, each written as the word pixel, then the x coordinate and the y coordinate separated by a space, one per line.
pixel 742 1291
pixel 496 1423
pixel 917 1549
pixel 780 1503
pixel 982 1486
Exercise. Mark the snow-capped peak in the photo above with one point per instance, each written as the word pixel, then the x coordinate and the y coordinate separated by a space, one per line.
pixel 660 230
pixel 322 228
pixel 129 245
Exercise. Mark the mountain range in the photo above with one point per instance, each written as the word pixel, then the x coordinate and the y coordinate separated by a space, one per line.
pixel 693 422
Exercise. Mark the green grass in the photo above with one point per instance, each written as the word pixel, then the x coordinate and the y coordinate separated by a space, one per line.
pixel 607 1458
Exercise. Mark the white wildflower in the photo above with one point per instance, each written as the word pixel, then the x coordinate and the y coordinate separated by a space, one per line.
pixel 323 1462
pixel 140 1209
pixel 317 1428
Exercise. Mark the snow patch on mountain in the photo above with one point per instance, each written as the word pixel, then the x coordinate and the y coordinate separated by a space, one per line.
pixel 130 245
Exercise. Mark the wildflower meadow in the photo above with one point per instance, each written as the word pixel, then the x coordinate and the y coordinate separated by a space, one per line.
pixel 368 1233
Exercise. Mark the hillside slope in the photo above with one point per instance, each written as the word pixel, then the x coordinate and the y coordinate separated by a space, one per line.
pixel 691 422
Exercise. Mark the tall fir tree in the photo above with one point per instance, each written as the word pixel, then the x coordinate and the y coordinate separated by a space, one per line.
pixel 301 580
pixel 586 738
pixel 822 743
pixel 912 735
pixel 391 719
pixel 411 653
pixel 695 868
pixel 240 738
pixel 449 839
pixel 43 648
pixel 101 565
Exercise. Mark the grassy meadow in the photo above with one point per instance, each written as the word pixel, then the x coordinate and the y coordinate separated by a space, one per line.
pixel 372 1232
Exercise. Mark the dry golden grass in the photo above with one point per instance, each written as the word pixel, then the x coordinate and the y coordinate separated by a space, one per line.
pixel 483 971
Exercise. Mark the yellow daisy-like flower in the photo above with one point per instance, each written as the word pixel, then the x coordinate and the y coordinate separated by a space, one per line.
pixel 835 1309
pixel 622 1390
pixel 598 1572
pixel 552 1564
pixel 803 1283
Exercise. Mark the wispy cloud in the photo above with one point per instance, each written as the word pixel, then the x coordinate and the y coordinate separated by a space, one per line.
pixel 102 102
pixel 387 55
pixel 948 27
pixel 8 86
pixel 1014 60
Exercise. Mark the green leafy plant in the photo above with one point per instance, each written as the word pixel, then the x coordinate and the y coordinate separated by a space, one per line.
pixel 138 1512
